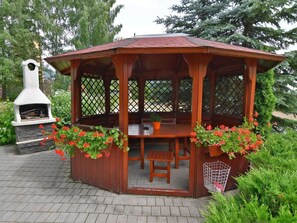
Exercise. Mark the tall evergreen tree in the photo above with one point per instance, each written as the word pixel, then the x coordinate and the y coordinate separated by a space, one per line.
pixel 92 22
pixel 251 23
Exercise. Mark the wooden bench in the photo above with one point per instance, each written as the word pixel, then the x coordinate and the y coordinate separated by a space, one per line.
pixel 160 156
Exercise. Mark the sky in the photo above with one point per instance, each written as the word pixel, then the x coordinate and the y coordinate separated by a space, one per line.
pixel 137 16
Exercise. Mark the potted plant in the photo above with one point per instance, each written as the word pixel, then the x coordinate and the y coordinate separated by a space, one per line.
pixel 236 140
pixel 94 144
pixel 156 120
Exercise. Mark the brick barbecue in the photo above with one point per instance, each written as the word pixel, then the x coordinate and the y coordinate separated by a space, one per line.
pixel 31 108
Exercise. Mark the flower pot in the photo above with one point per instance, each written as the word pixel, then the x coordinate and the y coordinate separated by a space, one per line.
pixel 156 125
pixel 214 150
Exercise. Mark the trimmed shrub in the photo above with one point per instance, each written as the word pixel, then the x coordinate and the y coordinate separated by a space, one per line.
pixel 268 191
pixel 61 106
pixel 7 133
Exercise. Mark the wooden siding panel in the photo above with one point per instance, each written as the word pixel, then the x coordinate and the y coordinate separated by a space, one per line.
pixel 103 173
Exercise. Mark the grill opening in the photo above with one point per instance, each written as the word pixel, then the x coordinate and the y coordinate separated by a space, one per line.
pixel 33 111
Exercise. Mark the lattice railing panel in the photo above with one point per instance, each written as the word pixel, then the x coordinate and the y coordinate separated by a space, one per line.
pixel 158 96
pixel 229 95
pixel 133 105
pixel 92 96
pixel 185 95
pixel 114 96
pixel 206 96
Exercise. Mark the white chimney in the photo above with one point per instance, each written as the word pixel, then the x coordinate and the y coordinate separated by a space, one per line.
pixel 31 94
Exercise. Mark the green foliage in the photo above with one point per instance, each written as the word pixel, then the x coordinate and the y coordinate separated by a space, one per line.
pixel 280 124
pixel 286 84
pixel 7 134
pixel 61 106
pixel 250 23
pixel 268 191
pixel 95 144
pixel 265 99
pixel 28 28
pixel 93 22
pixel 155 117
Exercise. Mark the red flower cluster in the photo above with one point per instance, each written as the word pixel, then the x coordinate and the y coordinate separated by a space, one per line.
pixel 94 144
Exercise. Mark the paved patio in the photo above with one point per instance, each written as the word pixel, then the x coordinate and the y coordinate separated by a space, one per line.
pixel 37 188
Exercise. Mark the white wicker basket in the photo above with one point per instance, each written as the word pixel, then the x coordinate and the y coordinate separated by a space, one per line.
pixel 215 176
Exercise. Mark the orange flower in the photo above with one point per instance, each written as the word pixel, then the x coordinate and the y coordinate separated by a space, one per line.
pixel 86 145
pixel 66 128
pixel 242 151
pixel 99 155
pixel 71 143
pixel 87 155
pixel 63 136
pixel 54 126
pixel 209 127
pixel 75 129
pixel 256 124
pixel 193 134
pixel 233 129
pixel 82 133
pixel 251 119
pixel 41 126
pixel 109 139
pixel 57 119
pixel 222 127
pixel 256 114
pixel 218 133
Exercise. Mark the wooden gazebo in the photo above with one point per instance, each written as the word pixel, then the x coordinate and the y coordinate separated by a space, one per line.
pixel 178 76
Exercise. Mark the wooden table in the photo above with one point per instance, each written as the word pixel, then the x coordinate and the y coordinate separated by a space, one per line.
pixel 143 131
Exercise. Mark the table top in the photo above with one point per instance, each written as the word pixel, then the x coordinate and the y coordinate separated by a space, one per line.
pixel 166 131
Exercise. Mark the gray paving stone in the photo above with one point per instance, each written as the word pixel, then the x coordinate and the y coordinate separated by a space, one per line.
pixel 92 218
pixel 112 218
pixel 37 188
pixel 81 217
pixel 71 217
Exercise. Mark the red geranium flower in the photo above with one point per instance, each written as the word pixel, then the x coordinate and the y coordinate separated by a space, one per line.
pixel 57 119
pixel 54 126
pixel 82 133
pixel 41 126
pixel 66 128
pixel 209 127
pixel 86 145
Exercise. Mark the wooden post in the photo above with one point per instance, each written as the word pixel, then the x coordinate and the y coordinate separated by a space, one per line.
pixel 197 64
pixel 250 87
pixel 75 91
pixel 123 67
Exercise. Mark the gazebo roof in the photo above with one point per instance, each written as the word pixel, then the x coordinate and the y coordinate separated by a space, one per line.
pixel 164 44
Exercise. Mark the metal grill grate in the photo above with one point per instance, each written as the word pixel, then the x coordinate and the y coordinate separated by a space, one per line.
pixel 158 96
pixel 92 96
pixel 133 96
pixel 185 95
pixel 229 95
pixel 114 96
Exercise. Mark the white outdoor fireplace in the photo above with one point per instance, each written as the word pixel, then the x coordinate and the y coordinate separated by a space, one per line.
pixel 31 108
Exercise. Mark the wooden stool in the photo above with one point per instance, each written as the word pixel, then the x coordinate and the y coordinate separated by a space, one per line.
pixel 160 156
